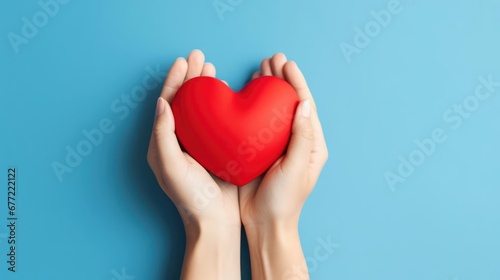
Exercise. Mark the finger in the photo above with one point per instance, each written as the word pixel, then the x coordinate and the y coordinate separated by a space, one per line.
pixel 195 64
pixel 301 143
pixel 170 158
pixel 225 82
pixel 319 154
pixel 174 79
pixel 295 77
pixel 277 62
pixel 265 67
pixel 208 70
pixel 255 75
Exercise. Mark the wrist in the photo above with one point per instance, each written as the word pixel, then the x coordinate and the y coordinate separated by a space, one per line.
pixel 272 227
pixel 275 250
pixel 273 236
pixel 212 252
pixel 196 232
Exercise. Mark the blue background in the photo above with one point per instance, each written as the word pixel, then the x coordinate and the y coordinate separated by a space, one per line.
pixel 109 219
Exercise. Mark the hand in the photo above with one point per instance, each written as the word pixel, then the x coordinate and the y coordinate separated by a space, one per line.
pixel 281 193
pixel 208 206
pixel 270 206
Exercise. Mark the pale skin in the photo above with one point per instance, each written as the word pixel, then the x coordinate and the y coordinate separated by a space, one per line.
pixel 268 208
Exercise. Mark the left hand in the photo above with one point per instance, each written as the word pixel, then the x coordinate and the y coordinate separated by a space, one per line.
pixel 202 199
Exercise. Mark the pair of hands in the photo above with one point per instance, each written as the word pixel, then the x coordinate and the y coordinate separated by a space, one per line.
pixel 213 210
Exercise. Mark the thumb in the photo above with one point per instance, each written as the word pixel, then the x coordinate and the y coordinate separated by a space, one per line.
pixel 170 156
pixel 301 142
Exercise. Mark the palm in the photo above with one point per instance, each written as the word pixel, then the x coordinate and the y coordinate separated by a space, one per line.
pixel 267 197
pixel 214 198
pixel 258 205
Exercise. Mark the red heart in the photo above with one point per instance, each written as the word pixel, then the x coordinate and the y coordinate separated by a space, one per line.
pixel 236 136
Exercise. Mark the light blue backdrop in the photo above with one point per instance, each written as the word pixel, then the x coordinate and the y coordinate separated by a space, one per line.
pixel 403 79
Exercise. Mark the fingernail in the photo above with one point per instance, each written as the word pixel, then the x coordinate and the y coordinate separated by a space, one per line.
pixel 160 106
pixel 306 108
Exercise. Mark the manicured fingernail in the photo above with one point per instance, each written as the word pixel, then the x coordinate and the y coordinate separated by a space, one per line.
pixel 306 108
pixel 160 106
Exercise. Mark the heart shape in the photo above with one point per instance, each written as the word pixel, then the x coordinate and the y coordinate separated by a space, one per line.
pixel 235 135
